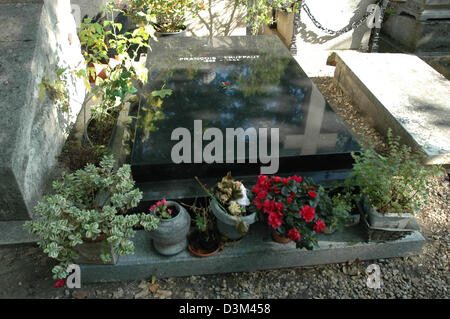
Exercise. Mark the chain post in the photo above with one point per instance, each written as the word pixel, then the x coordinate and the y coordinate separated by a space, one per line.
pixel 375 32
pixel 293 46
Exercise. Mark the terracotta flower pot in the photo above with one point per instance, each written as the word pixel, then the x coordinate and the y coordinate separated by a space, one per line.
pixel 280 239
pixel 199 247
pixel 100 69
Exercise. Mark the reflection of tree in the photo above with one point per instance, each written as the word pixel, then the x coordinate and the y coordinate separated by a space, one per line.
pixel 264 71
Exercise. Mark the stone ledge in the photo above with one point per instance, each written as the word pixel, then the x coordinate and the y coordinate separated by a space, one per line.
pixel 256 251
pixel 401 92
pixel 13 233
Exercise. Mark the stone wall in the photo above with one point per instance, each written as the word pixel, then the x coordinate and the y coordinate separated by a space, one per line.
pixel 39 37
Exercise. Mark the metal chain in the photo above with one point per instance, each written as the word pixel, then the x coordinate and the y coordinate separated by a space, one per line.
pixel 354 25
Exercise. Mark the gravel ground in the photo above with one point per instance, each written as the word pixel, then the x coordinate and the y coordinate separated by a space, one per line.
pixel 25 271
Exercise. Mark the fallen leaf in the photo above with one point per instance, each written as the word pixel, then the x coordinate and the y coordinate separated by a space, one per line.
pixel 153 288
pixel 80 294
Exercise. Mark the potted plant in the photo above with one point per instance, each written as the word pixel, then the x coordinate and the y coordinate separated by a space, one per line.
pixel 259 12
pixel 170 14
pixel 84 221
pixel 116 81
pixel 204 241
pixel 335 211
pixel 170 237
pixel 392 186
pixel 228 203
pixel 287 205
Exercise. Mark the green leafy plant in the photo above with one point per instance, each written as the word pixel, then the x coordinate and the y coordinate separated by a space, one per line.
pixel 102 40
pixel 93 40
pixel 56 90
pixel 170 14
pixel 88 205
pixel 334 210
pixel 393 182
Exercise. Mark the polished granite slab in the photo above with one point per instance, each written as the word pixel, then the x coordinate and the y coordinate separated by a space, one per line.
pixel 267 89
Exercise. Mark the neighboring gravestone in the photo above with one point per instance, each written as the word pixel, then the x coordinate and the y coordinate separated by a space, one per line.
pixel 400 92
pixel 33 132
pixel 234 82
pixel 420 25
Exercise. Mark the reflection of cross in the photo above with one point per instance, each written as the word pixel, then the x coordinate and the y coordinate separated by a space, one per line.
pixel 312 139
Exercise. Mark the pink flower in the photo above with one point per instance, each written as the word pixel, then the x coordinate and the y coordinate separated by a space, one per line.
pixel 319 226
pixel 169 211
pixel 294 235
pixel 308 213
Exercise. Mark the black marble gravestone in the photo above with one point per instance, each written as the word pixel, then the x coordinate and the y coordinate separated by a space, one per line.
pixel 233 82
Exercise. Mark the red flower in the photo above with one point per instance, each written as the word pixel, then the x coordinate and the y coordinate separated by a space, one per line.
pixel 289 200
pixel 59 283
pixel 277 179
pixel 285 181
pixel 308 213
pixel 319 226
pixel 313 194
pixel 262 179
pixel 274 220
pixel 294 235
pixel 296 178
pixel 226 83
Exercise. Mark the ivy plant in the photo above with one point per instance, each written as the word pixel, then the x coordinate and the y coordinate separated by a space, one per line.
pixel 87 205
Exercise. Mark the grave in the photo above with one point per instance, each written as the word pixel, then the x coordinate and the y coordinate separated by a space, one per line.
pixel 267 89
pixel 313 142
pixel 401 92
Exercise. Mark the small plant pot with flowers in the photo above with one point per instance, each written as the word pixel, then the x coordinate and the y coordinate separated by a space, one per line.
pixel 170 238
pixel 229 204
pixel 287 205
pixel 85 221
pixel 392 186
